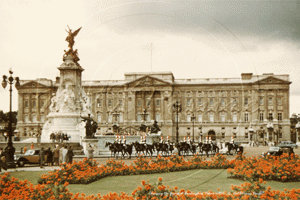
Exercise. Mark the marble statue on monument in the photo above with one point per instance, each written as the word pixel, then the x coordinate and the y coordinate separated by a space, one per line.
pixel 70 101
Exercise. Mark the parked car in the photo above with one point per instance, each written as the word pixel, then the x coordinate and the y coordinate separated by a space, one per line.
pixel 273 151
pixel 31 156
pixel 288 144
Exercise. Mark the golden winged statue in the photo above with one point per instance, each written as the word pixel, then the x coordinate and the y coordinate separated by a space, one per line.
pixel 71 37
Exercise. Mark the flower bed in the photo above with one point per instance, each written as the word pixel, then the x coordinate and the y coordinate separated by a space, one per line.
pixel 11 188
pixel 87 171
pixel 283 168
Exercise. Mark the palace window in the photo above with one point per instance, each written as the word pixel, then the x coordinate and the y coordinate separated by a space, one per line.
pixel 222 101
pixel 200 102
pixel 261 117
pixel 121 118
pixel 261 101
pixel 188 102
pixel 157 117
pixel 223 135
pixel 33 103
pixel 270 116
pixel 148 102
pixel 42 118
pixel 222 117
pixel 246 135
pixel 246 101
pixel 199 117
pixel 26 104
pixel 42 103
pixel 139 102
pixel 99 118
pixel 26 118
pixel 279 116
pixel 279 101
pixel 109 118
pixel 109 103
pixel 246 118
pixel 157 102
pixel 234 101
pixel 148 118
pixel 270 101
pixel 234 117
pixel 188 117
pixel 211 102
pixel 211 117
pixel 34 118
pixel 139 118
pixel 99 103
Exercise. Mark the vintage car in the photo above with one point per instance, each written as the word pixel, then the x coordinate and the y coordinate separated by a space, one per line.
pixel 31 156
pixel 278 151
pixel 288 144
pixel 273 151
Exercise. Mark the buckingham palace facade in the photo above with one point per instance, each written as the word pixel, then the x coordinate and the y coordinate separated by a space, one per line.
pixel 242 107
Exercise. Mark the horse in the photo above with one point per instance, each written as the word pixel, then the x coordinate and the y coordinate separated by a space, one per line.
pixel 139 148
pixel 200 145
pixel 206 148
pixel 182 146
pixel 163 147
pixel 150 149
pixel 230 147
pixel 118 148
pixel 110 147
pixel 128 150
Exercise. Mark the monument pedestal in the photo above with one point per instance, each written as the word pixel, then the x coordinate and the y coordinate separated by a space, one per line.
pixel 67 123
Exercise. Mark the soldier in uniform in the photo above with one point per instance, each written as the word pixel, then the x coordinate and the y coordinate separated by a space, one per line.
pixel 184 139
pixel 232 140
pixel 168 141
pixel 161 140
pixel 210 142
pixel 188 141
pixel 206 140
pixel 124 140
pixel 116 138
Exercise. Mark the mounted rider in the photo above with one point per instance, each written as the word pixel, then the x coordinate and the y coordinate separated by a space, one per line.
pixel 168 141
pixel 200 139
pixel 188 141
pixel 143 140
pixel 232 140
pixel 161 140
pixel 210 142
pixel 184 139
pixel 116 139
pixel 124 140
pixel 206 140
pixel 119 139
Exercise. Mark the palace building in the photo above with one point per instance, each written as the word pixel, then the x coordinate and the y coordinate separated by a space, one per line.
pixel 251 107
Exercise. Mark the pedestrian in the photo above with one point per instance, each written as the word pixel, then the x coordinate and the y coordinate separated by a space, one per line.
pixel 5 136
pixel 64 154
pixel 24 149
pixel 49 157
pixel 42 157
pixel 56 155
pixel 2 160
pixel 70 155
pixel 31 146
pixel 61 155
pixel 90 151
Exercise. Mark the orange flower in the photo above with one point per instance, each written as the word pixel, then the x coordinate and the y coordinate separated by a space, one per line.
pixel 160 179
pixel 143 182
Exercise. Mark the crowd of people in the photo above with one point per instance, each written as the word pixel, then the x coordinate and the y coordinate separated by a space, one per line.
pixel 59 137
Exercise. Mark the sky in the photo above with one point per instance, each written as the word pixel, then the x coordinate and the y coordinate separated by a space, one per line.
pixel 191 38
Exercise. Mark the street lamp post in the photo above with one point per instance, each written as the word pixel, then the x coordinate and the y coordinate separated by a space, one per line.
pixel 10 150
pixel 177 108
pixel 193 118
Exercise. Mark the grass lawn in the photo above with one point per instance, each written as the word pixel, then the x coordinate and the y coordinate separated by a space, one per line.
pixel 193 180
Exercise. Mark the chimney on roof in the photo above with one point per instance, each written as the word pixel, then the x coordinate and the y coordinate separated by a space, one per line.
pixel 57 79
pixel 246 76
